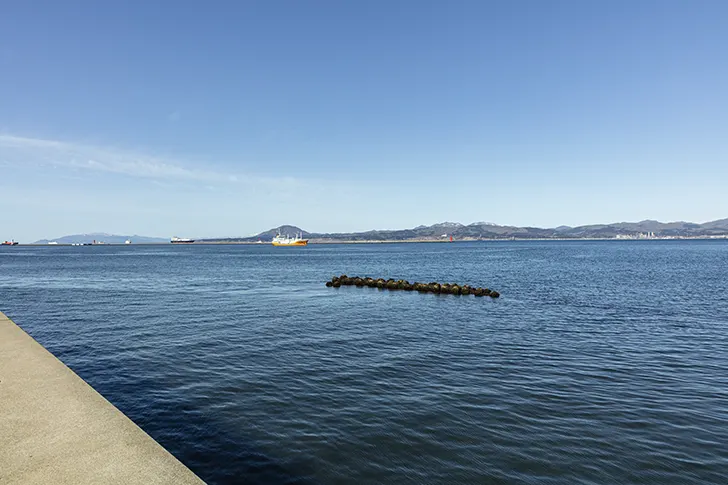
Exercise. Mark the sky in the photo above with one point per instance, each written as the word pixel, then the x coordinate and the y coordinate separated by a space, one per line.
pixel 227 118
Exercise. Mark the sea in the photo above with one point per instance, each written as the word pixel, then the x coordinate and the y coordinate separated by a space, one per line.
pixel 603 362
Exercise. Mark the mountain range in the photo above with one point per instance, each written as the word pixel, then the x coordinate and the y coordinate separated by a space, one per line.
pixel 445 230
pixel 102 237
pixel 486 230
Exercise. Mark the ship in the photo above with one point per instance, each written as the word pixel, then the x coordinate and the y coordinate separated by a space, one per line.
pixel 297 240
pixel 181 240
pixel 10 243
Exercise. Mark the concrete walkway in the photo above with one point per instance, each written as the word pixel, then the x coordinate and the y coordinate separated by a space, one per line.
pixel 56 429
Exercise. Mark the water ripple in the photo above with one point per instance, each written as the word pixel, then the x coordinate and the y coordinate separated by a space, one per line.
pixel 601 362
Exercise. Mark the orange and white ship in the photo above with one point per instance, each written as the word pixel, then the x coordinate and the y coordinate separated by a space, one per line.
pixel 297 240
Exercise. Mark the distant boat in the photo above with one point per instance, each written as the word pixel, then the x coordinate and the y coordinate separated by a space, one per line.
pixel 10 243
pixel 128 241
pixel 297 240
pixel 181 240
pixel 53 243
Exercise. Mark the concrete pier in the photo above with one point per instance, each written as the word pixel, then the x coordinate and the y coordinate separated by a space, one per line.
pixel 56 429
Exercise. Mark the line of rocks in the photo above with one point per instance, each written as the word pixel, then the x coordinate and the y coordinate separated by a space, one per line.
pixel 390 284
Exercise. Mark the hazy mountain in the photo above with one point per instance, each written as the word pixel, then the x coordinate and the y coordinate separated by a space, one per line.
pixel 103 237
pixel 486 230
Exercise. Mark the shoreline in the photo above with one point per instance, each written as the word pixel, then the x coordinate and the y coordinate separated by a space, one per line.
pixel 393 241
pixel 56 428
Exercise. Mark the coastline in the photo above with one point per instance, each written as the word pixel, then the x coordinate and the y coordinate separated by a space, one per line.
pixel 398 241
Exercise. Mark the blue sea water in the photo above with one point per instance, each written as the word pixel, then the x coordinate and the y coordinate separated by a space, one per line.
pixel 602 362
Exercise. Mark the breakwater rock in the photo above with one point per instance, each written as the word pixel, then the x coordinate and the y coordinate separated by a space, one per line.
pixel 403 285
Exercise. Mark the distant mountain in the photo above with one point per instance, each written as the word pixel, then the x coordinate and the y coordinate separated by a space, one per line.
pixel 268 236
pixel 102 237
pixel 486 230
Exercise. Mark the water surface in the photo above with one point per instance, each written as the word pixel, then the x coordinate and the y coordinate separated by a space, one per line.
pixel 602 362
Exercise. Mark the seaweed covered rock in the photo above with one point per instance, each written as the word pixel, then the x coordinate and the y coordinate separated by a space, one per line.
pixel 454 290
pixel 329 284
pixel 494 294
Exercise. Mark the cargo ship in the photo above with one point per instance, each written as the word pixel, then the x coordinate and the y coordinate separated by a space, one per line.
pixel 297 240
pixel 181 240
pixel 10 243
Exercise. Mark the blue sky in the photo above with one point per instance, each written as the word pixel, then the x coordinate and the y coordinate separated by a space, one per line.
pixel 228 118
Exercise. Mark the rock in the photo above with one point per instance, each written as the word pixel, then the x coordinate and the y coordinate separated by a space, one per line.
pixel 391 284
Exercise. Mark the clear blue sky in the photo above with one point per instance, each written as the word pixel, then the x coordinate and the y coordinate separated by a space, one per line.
pixel 228 118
